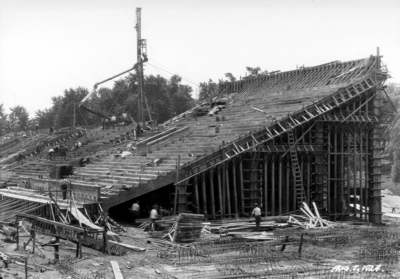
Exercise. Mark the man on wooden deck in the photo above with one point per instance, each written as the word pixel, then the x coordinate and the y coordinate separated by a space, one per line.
pixel 257 214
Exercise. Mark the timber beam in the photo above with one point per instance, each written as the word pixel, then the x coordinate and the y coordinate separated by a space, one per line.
pixel 346 118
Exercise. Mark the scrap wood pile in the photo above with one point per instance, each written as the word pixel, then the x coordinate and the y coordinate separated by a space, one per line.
pixel 187 228
pixel 309 220
pixel 106 221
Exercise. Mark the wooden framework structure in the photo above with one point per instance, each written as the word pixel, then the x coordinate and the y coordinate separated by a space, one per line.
pixel 327 152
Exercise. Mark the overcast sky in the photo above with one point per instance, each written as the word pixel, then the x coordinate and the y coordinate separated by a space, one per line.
pixel 47 46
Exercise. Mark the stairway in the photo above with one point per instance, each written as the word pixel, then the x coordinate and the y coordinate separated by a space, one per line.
pixel 296 171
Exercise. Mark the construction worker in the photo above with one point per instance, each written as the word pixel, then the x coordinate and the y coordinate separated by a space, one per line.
pixel 135 211
pixel 153 217
pixel 64 188
pixel 63 152
pixel 113 121
pixel 257 214
pixel 51 154
pixel 106 123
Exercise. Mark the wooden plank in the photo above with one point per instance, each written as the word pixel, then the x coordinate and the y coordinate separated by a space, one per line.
pixel 134 248
pixel 116 270
pixel 273 185
pixel 280 186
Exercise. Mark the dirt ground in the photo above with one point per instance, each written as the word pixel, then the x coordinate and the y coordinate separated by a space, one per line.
pixel 95 264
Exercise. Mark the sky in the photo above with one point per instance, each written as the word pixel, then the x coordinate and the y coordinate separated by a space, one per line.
pixel 48 46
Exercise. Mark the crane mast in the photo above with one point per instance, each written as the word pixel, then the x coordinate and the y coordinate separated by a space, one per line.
pixel 141 52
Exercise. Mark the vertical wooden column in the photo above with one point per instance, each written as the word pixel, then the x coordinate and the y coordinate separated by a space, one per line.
pixel 341 175
pixel 204 196
pixel 280 186
pixel 361 176
pixel 348 169
pixel 235 195
pixel 287 188
pixel 211 174
pixel 228 192
pixel 196 193
pixel 273 185
pixel 355 170
pixel 335 171
pixel 220 194
pixel 319 165
pixel 241 186
pixel 366 174
pixel 265 185
pixel 309 182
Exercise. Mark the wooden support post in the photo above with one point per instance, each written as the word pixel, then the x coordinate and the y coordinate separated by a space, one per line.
pixel 235 196
pixel 56 249
pixel 212 193
pixel 221 200
pixel 105 242
pixel 17 236
pixel 273 185
pixel 228 195
pixel 301 243
pixel 360 177
pixel 196 193
pixel 265 185
pixel 26 267
pixel 203 189
pixel 280 186
pixel 287 192
pixel 176 181
pixel 241 186
pixel 355 169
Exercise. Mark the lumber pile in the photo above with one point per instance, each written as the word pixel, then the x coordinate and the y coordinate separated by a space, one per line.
pixel 246 225
pixel 309 220
pixel 187 228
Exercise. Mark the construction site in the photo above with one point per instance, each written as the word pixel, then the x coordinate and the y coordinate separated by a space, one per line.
pixel 302 146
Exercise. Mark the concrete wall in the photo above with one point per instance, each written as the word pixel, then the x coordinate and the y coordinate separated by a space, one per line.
pixel 82 193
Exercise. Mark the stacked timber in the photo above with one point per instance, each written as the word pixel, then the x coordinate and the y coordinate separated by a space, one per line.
pixel 247 225
pixel 188 227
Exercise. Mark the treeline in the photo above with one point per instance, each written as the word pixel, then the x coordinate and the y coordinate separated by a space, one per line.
pixel 165 99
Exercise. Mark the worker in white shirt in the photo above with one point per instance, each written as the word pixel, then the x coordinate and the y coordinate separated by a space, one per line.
pixel 135 211
pixel 153 216
pixel 257 214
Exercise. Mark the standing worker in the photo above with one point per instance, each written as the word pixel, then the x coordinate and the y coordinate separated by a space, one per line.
pixel 153 217
pixel 113 121
pixel 51 154
pixel 135 211
pixel 257 214
pixel 64 188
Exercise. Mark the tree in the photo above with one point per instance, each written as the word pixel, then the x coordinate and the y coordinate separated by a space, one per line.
pixel 179 95
pixel 45 118
pixel 3 121
pixel 230 77
pixel 18 119
pixel 207 89
pixel 255 72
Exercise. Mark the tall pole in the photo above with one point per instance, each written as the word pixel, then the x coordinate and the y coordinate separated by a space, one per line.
pixel 73 128
pixel 139 68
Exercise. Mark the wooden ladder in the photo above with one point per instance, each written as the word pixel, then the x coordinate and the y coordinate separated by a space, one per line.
pixel 297 177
